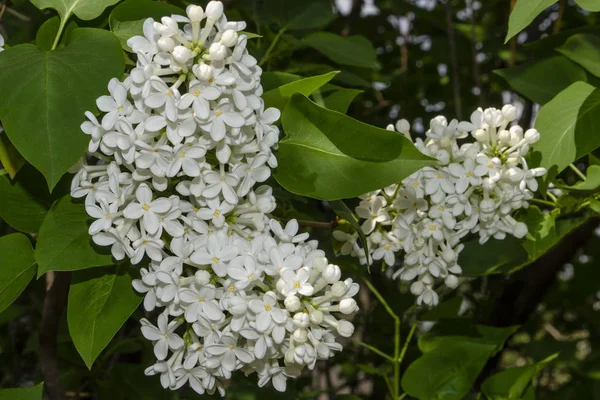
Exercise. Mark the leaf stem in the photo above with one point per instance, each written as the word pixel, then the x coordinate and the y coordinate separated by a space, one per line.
pixel 61 27
pixel 407 342
pixel 553 197
pixel 545 202
pixel 374 350
pixel 272 46
pixel 577 171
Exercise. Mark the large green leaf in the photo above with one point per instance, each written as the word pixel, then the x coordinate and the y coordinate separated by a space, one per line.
pixel 18 267
pixel 356 51
pixel 64 243
pixel 83 9
pixel 100 301
pixel 584 49
pixel 299 15
pixel 32 393
pixel 329 156
pixel 566 124
pixel 279 96
pixel 56 87
pixel 543 79
pixel 447 372
pixel 542 231
pixel 590 5
pixel 450 364
pixel 127 19
pixel 492 257
pixel 340 99
pixel 24 200
pixel 512 384
pixel 524 13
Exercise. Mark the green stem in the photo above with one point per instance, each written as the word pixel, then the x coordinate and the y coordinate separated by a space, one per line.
pixel 577 171
pixel 395 388
pixel 272 46
pixel 3 172
pixel 407 342
pixel 374 350
pixel 61 27
pixel 545 202
pixel 553 197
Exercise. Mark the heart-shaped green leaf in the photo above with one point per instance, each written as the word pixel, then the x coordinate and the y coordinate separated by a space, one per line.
pixel 18 267
pixel 46 93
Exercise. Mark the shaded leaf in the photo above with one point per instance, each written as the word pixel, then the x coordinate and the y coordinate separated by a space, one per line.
pixel 100 301
pixel 355 50
pixel 301 15
pixel 10 158
pixel 340 99
pixel 524 13
pixel 543 79
pixel 584 49
pixel 590 5
pixel 279 96
pixel 83 9
pixel 492 257
pixel 592 181
pixel 33 393
pixel 64 243
pixel 18 267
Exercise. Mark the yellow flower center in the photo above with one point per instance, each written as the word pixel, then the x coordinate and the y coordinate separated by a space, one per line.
pixel 469 174
pixel 217 213
pixel 181 154
pixel 121 109
pixel 432 227
pixel 231 288
pixel 387 246
pixel 215 260
pixel 296 285
pixel 146 207
pixel 416 184
pixel 201 299
pixel 218 112
pixel 196 92
pixel 268 307
pixel 251 276
pixel 169 93
pixel 491 165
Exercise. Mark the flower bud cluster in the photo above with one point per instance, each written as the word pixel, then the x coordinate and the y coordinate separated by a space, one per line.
pixel 171 180
pixel 475 187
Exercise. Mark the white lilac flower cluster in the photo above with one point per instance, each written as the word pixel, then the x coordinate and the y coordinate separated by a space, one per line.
pixel 474 188
pixel 1 43
pixel 181 143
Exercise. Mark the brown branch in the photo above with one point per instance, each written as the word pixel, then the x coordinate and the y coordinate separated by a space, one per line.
pixel 318 224
pixel 453 60
pixel 561 13
pixel 54 304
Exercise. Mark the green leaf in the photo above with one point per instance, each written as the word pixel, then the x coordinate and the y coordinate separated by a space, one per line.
pixel 584 49
pixel 44 38
pixel 24 200
pixel 448 371
pixel 356 51
pixel 279 96
pixel 542 231
pixel 592 181
pixel 273 79
pixel 127 381
pixel 445 310
pixel 340 99
pixel 524 13
pixel 329 156
pixel 590 5
pixel 346 213
pixel 595 206
pixel 299 15
pixel 10 158
pixel 127 19
pixel 492 257
pixel 18 267
pixel 64 243
pixel 83 9
pixel 543 79
pixel 513 383
pixel 57 87
pixel 33 393
pixel 100 301
pixel 565 124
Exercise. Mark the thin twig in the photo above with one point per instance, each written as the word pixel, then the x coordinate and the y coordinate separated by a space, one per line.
pixel 577 171
pixel 18 15
pixel 561 13
pixel 318 224
pixel 54 303
pixel 453 60
pixel 3 8
pixel 272 46
pixel 374 350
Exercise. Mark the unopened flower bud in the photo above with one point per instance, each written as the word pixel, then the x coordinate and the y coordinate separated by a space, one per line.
pixel 338 289
pixel 292 303
pixel 214 10
pixel 504 136
pixel 520 230
pixel 487 205
pixel 403 126
pixel 482 136
pixel 451 281
pixel 195 13
pixel 166 44
pixel 348 306
pixel 237 305
pixel 514 174
pixel 417 288
pixel 510 112
pixel 532 136
pixel 316 316
pixel 182 54
pixel 320 263
pixel 217 51
pixel 345 328
pixel 202 277
pixel 203 72
pixel 229 38
pixel 301 320
pixel 300 335
pixel 332 273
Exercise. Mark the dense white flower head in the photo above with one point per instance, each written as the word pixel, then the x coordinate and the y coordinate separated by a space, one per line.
pixel 1 43
pixel 171 181
pixel 475 188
